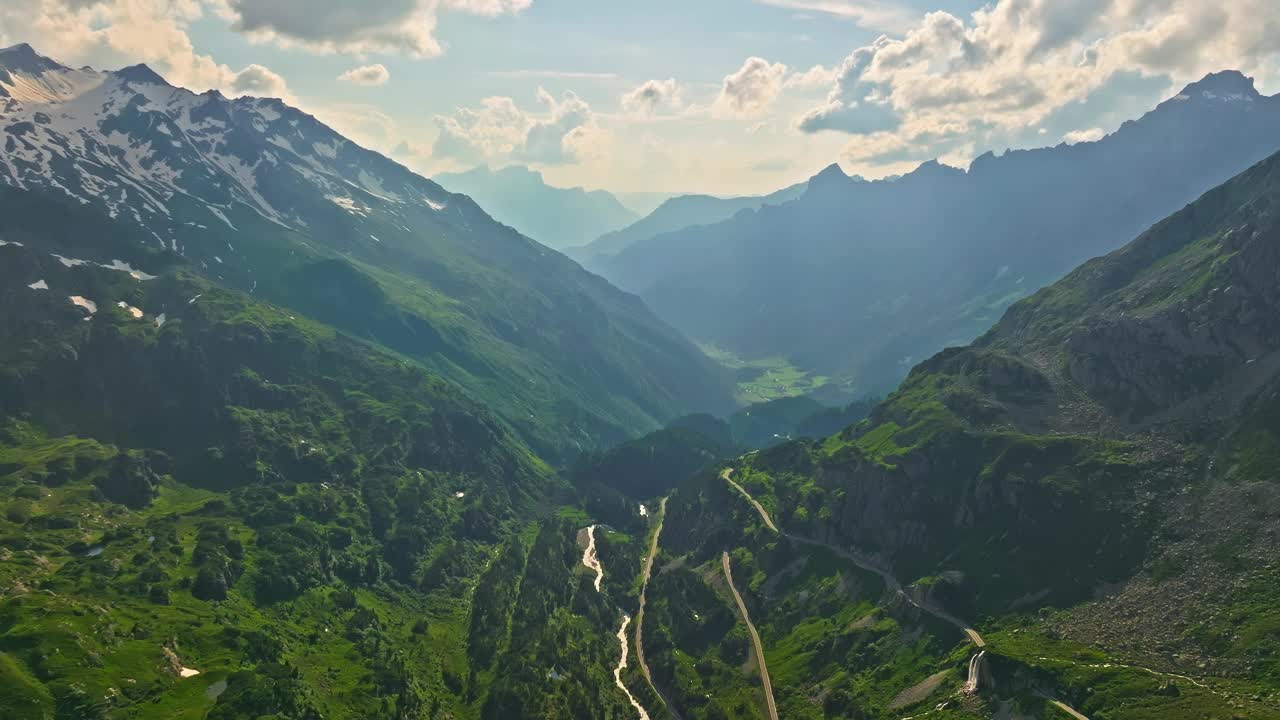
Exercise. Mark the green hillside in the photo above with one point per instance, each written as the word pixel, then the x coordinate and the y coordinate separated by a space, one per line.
pixel 1090 485
pixel 308 521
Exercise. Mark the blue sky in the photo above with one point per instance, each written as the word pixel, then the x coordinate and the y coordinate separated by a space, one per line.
pixel 721 96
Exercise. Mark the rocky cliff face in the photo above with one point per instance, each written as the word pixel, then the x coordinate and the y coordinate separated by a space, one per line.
pixel 1179 328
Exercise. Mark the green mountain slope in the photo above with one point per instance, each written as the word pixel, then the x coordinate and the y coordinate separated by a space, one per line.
pixel 652 465
pixel 262 197
pixel 274 420
pixel 214 484
pixel 1091 484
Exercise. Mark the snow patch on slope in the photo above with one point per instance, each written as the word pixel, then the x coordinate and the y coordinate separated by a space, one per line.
pixel 352 206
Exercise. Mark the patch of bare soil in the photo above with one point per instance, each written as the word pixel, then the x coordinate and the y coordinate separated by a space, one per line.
pixel 918 692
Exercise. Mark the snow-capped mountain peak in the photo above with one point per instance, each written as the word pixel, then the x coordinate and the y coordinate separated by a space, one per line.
pixel 24 59
pixel 29 77
pixel 140 73
pixel 132 143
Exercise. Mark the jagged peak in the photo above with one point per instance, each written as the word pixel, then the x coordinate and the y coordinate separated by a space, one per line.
pixel 19 49
pixel 832 172
pixel 830 182
pixel 933 168
pixel 1224 84
pixel 23 58
pixel 141 73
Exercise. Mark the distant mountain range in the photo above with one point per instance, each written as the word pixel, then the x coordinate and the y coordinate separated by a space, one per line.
pixel 288 431
pixel 1091 484
pixel 676 213
pixel 859 280
pixel 261 197
pixel 556 217
pixel 643 203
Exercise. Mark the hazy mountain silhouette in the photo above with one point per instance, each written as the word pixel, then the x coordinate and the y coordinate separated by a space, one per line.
pixel 556 217
pixel 861 279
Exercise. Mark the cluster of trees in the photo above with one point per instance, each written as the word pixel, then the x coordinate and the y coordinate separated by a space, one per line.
pixel 561 652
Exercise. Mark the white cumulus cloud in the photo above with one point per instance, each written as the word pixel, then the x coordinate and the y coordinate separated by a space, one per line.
pixel 752 88
pixel 260 81
pixel 651 96
pixel 1008 67
pixel 815 77
pixel 500 130
pixel 554 138
pixel 1079 136
pixel 367 75
pixel 396 26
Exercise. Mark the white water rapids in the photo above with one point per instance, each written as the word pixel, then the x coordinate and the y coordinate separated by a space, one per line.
pixel 975 673
pixel 592 561
pixel 589 557
pixel 622 665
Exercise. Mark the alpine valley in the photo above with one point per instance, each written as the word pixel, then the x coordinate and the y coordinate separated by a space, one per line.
pixel 289 431
pixel 850 281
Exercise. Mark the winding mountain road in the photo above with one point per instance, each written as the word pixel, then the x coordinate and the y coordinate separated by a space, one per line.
pixel 1068 709
pixel 726 474
pixel 755 639
pixel 889 580
pixel 644 589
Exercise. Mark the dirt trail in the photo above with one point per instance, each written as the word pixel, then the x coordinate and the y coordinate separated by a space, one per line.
pixel 644 588
pixel 1140 668
pixel 919 691
pixel 1148 670
pixel 889 580
pixel 755 640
